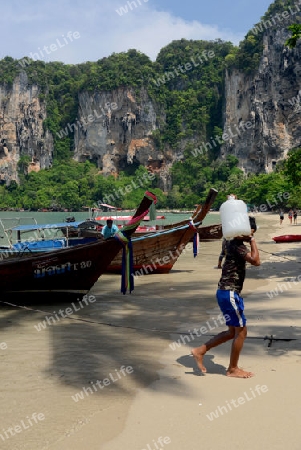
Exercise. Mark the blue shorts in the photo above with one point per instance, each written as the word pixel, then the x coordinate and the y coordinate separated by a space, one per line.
pixel 232 307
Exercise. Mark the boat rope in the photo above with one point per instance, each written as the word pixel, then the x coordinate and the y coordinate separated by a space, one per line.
pixel 93 321
pixel 154 330
pixel 279 256
pixel 269 253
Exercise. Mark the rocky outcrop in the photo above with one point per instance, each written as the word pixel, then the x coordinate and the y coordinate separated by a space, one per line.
pixel 263 112
pixel 21 129
pixel 114 129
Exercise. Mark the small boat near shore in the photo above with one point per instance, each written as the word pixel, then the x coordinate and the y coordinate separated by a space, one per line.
pixel 287 238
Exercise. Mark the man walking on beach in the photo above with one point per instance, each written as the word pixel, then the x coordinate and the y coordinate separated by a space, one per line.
pixel 231 304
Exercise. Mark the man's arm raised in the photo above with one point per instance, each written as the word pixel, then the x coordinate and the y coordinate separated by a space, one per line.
pixel 253 256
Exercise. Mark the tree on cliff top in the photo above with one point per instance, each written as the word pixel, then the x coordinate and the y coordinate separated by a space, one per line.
pixel 295 30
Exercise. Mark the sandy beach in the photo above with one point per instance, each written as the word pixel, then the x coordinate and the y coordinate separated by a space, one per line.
pixel 118 373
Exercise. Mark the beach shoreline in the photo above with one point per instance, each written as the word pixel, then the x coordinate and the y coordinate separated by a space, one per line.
pixel 43 371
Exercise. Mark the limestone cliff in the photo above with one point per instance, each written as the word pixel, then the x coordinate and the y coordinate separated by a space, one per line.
pixel 269 101
pixel 119 128
pixel 114 129
pixel 21 129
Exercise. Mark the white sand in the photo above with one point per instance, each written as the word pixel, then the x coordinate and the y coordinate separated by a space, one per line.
pixel 165 396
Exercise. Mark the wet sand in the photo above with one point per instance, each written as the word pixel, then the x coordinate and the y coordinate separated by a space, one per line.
pixel 147 389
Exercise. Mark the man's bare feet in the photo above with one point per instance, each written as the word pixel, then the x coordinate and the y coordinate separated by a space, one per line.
pixel 239 373
pixel 198 356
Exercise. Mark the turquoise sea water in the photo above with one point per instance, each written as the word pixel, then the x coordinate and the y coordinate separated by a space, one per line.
pixel 53 217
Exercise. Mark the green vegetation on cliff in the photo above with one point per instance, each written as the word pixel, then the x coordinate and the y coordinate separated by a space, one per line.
pixel 295 30
pixel 247 55
pixel 186 82
pixel 190 86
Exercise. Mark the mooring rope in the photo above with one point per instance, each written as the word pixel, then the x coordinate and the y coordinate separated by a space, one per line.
pixel 154 330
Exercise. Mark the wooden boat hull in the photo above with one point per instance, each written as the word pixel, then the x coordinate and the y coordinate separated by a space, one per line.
pixel 211 232
pixel 70 270
pixel 66 270
pixel 288 238
pixel 155 253
pixel 158 252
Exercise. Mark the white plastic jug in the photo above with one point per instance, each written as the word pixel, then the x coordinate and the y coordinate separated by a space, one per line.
pixel 235 219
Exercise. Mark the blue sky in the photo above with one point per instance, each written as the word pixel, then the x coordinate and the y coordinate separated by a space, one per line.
pixel 97 28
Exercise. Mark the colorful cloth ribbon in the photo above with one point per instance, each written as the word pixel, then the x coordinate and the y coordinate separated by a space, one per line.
pixel 196 238
pixel 127 268
pixel 196 241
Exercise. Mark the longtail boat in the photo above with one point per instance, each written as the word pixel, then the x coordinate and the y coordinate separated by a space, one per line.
pixel 158 252
pixel 70 271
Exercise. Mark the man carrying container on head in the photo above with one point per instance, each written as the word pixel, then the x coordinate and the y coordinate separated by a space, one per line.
pixel 231 303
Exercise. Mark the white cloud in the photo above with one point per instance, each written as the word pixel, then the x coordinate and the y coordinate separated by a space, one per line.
pixel 102 30
pixel 155 30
